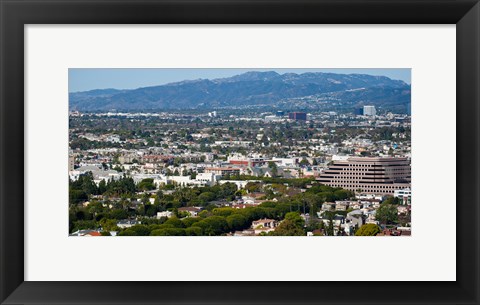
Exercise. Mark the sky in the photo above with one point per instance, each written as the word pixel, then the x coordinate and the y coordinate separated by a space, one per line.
pixel 84 79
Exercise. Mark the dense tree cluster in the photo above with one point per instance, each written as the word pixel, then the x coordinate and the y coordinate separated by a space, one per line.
pixel 221 221
pixel 123 199
pixel 84 186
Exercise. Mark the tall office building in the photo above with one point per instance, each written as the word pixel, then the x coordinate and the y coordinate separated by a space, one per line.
pixel 369 110
pixel 297 116
pixel 409 108
pixel 358 111
pixel 373 175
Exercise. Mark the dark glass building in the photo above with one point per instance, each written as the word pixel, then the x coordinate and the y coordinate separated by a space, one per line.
pixel 298 116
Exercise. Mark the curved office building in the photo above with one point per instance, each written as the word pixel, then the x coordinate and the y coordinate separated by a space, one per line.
pixel 374 175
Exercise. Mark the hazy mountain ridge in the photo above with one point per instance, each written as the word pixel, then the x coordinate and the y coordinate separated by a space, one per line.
pixel 250 88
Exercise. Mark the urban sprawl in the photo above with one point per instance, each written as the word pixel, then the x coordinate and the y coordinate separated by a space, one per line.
pixel 240 173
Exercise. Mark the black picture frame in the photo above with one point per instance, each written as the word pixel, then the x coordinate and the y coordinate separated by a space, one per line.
pixel 17 13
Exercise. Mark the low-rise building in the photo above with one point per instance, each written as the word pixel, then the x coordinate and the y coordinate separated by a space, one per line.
pixel 404 195
pixel 223 171
pixel 193 211
pixel 164 214
pixel 127 223
pixel 264 225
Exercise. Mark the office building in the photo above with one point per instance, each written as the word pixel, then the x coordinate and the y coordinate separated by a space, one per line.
pixel 297 116
pixel 369 175
pixel 369 110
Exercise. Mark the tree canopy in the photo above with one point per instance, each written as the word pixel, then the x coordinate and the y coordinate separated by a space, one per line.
pixel 368 229
pixel 387 214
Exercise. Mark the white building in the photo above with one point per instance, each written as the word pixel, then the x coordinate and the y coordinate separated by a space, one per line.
pixel 272 118
pixel 113 139
pixel 405 195
pixel 202 179
pixel 164 214
pixel 127 223
pixel 98 173
pixel 340 157
pixel 369 110
pixel 207 178
pixel 285 161
pixel 139 177
pixel 239 183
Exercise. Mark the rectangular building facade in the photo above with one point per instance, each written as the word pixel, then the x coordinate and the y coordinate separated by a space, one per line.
pixel 71 163
pixel 223 171
pixel 298 116
pixel 369 110
pixel 370 175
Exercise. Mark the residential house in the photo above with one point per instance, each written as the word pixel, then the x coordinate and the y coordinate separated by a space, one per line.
pixel 193 211
pixel 164 214
pixel 264 225
pixel 127 223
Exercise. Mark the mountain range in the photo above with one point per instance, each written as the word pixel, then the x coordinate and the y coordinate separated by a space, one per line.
pixel 289 90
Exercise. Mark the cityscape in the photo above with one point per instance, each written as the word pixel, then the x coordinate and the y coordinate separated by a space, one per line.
pixel 251 153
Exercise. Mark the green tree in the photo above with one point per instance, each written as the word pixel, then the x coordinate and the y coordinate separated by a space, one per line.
pixel 273 166
pixel 292 225
pixel 102 187
pixel 194 231
pixel 206 197
pixel 140 230
pixel 168 232
pixel 84 224
pixel 146 185
pixel 236 222
pixel 391 200
pixel 118 214
pixel 174 222
pixel 289 228
pixel 304 162
pixel 213 225
pixel 108 224
pixel 226 211
pixel 127 232
pixel 252 187
pixel 387 214
pixel 368 229
pixel 189 221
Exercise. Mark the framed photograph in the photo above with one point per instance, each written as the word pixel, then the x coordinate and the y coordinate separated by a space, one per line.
pixel 239 152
